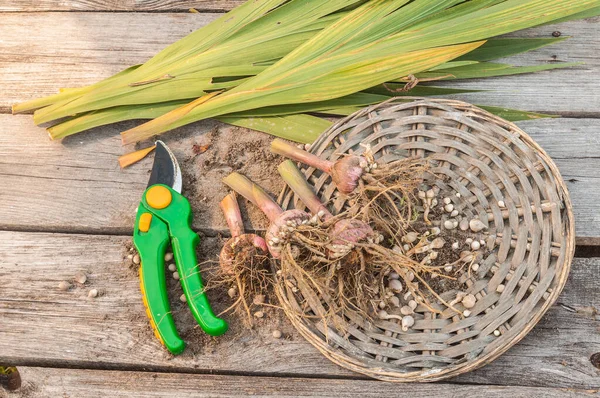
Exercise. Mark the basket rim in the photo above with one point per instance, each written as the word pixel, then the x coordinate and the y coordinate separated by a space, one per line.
pixel 430 375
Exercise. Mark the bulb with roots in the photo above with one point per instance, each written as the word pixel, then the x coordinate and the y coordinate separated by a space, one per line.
pixel 345 172
pixel 344 232
pixel 281 222
pixel 241 247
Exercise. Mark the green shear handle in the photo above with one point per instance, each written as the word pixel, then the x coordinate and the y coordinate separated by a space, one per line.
pixel 165 215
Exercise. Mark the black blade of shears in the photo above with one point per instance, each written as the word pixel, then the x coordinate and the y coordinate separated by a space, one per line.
pixel 165 169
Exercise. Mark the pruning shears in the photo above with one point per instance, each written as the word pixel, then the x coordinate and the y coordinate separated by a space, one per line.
pixel 164 216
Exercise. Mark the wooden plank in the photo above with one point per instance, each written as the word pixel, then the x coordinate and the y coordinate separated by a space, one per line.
pixel 117 5
pixel 80 48
pixel 74 49
pixel 575 149
pixel 43 326
pixel 562 92
pixel 50 383
pixel 76 185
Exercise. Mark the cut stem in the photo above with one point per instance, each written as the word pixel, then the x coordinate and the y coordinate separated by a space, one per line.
pixel 297 182
pixel 288 150
pixel 66 94
pixel 345 172
pixel 233 216
pixel 127 139
pixel 133 157
pixel 255 194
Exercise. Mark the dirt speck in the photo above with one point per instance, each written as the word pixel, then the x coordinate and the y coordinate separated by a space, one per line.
pixel 588 312
pixel 199 149
pixel 595 360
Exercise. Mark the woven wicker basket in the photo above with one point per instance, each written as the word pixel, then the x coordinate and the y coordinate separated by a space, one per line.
pixel 491 163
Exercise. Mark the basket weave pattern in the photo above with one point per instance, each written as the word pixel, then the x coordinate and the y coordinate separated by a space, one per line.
pixel 489 162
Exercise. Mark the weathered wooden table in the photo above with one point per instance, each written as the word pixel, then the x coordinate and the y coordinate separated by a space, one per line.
pixel 66 207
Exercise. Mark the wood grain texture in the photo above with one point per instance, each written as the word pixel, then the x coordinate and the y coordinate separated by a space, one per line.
pixel 117 5
pixel 76 185
pixel 75 49
pixel 50 383
pixel 43 326
pixel 574 144
pixel 563 92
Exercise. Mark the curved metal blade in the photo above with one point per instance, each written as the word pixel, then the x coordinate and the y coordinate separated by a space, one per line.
pixel 165 169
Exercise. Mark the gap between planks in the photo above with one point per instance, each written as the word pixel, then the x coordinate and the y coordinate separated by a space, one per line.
pixel 6 110
pixel 166 11
pixel 153 6
pixel 585 248
pixel 45 382
pixel 141 368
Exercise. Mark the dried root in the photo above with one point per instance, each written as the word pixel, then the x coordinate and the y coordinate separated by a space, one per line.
pixel 247 275
pixel 385 197
pixel 349 278
pixel 353 265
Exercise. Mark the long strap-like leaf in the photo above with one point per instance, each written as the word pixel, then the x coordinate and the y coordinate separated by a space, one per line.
pixel 320 69
pixel 266 40
pixel 336 83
